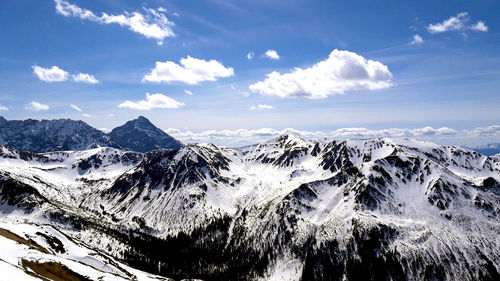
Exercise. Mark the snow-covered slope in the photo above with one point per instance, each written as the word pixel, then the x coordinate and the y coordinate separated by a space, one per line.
pixel 285 209
pixel 40 252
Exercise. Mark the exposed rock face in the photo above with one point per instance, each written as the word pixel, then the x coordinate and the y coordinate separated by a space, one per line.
pixel 142 136
pixel 52 135
pixel 64 134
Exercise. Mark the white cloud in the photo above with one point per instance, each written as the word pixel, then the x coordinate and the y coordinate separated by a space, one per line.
pixel 417 39
pixel 188 92
pixel 152 101
pixel 392 132
pixel 75 107
pixel 3 108
pixel 85 78
pixel 261 106
pixel 240 137
pixel 456 23
pixel 53 74
pixel 190 71
pixel 479 26
pixel 250 55
pixel 86 115
pixel 342 71
pixel 111 115
pixel 106 130
pixel 490 131
pixel 453 23
pixel 36 106
pixel 272 54
pixel 153 24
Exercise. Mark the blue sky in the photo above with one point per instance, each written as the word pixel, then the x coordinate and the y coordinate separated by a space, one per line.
pixel 422 69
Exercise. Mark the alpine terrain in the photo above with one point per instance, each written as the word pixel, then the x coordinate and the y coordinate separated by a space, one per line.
pixel 65 134
pixel 51 135
pixel 142 136
pixel 285 209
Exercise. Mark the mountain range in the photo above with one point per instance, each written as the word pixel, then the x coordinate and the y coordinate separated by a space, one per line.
pixel 285 209
pixel 64 134
pixel 488 149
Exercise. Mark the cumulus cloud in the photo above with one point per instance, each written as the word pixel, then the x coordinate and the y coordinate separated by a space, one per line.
pixel 392 132
pixel 241 137
pixel 247 136
pixel 75 107
pixel 261 106
pixel 3 108
pixel 479 26
pixel 459 22
pixel 188 92
pixel 85 78
pixel 250 55
pixel 53 74
pixel 490 131
pixel 36 106
pixel 272 54
pixel 152 24
pixel 342 71
pixel 190 71
pixel 152 101
pixel 417 39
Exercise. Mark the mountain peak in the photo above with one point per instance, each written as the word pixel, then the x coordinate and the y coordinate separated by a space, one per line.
pixel 288 138
pixel 142 119
pixel 142 136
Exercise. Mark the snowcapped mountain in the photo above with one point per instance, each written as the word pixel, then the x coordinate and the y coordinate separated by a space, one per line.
pixel 142 136
pixel 488 149
pixel 65 134
pixel 285 209
pixel 51 135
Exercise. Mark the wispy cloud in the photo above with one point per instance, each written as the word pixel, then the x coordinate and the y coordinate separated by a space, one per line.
pixel 152 24
pixel 272 54
pixel 36 106
pixel 3 108
pixel 85 78
pixel 460 22
pixel 76 108
pixel 152 101
pixel 342 71
pixel 190 71
pixel 261 106
pixel 188 92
